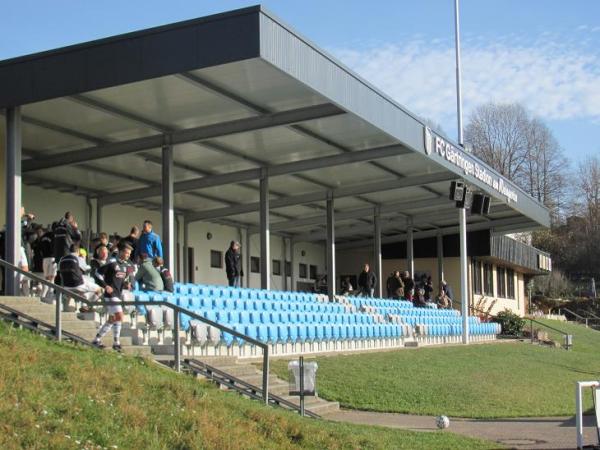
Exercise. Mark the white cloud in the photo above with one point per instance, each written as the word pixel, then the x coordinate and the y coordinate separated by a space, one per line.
pixel 554 79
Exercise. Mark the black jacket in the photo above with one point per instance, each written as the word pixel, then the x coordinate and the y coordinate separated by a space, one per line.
pixel 116 274
pixel 394 284
pixel 233 263
pixel 367 280
pixel 70 271
pixel 64 235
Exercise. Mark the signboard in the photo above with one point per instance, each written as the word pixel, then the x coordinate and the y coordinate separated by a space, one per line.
pixel 469 165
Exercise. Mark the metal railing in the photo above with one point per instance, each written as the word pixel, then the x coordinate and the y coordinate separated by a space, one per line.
pixel 67 292
pixel 579 317
pixel 530 319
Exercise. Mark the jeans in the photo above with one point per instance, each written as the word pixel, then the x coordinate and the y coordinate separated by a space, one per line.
pixel 366 292
pixel 235 281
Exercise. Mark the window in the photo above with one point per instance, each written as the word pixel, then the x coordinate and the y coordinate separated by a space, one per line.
pixel 477 277
pixel 302 270
pixel 313 272
pixel 216 259
pixel 276 267
pixel 510 283
pixel 488 279
pixel 288 269
pixel 501 278
pixel 254 264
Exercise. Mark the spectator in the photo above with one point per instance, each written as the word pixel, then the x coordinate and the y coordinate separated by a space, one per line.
pixel 102 241
pixel 149 242
pixel 148 276
pixel 38 256
pixel 388 287
pixel 448 291
pixel 165 274
pixel 419 299
pixel 71 269
pixel 428 288
pixel 409 286
pixel 346 286
pixel 442 300
pixel 65 235
pixel 114 278
pixel 233 264
pixel 396 286
pixel 366 282
pixel 132 239
pixel 46 249
pixel 98 262
pixel 113 246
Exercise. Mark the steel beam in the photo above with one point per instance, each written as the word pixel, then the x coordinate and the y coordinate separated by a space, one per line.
pixel 377 251
pixel 184 136
pixel 254 174
pixel 331 273
pixel 440 256
pixel 265 244
pixel 464 284
pixel 12 244
pixel 410 249
pixel 348 191
pixel 168 209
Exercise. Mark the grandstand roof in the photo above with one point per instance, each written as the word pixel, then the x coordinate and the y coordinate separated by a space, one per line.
pixel 236 93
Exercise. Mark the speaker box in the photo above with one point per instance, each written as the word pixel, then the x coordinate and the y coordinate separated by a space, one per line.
pixel 486 204
pixel 481 204
pixel 467 199
pixel 457 191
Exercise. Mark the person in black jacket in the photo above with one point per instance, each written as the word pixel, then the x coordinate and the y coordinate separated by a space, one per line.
pixel 409 286
pixel 366 282
pixel 65 235
pixel 233 264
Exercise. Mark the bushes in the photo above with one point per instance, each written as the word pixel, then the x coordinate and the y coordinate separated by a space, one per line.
pixel 512 324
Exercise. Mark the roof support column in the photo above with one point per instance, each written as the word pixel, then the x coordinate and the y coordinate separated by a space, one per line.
pixel 284 275
pixel 440 257
pixel 98 216
pixel 244 248
pixel 168 209
pixel 186 243
pixel 464 297
pixel 247 255
pixel 13 197
pixel 292 266
pixel 330 247
pixel 410 252
pixel 265 245
pixel 377 251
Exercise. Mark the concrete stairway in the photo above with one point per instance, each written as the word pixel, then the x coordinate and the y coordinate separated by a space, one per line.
pixel 44 312
pixel 247 371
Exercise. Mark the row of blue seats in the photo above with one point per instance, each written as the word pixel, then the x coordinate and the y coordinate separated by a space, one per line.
pixel 311 333
pixel 256 318
pixel 436 320
pixel 240 305
pixel 419 312
pixel 242 293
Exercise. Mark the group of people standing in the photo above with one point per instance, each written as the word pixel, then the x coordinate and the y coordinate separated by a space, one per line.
pixel 57 253
pixel 401 286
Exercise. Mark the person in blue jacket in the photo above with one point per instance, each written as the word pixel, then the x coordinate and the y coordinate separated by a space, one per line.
pixel 149 242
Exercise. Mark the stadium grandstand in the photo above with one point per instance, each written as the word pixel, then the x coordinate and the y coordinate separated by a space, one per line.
pixel 234 127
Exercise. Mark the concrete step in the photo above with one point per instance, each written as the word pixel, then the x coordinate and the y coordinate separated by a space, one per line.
pixel 19 301
pixel 239 371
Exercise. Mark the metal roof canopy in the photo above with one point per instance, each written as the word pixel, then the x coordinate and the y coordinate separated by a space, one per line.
pixel 240 96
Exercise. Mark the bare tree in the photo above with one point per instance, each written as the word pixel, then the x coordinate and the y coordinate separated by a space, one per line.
pixel 587 194
pixel 520 147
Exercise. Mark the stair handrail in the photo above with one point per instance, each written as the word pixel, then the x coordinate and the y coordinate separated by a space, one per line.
pixel 580 317
pixel 176 311
pixel 531 321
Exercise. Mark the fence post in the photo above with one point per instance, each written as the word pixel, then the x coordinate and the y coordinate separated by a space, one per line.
pixel 531 329
pixel 58 317
pixel 266 374
pixel 177 342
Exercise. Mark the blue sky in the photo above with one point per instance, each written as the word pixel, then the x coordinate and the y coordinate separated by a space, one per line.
pixel 543 53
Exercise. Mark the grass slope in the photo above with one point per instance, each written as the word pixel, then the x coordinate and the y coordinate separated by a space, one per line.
pixel 57 396
pixel 479 381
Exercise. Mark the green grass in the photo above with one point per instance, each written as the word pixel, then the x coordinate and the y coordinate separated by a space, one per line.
pixel 58 396
pixel 477 381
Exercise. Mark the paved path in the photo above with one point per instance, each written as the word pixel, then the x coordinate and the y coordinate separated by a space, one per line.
pixel 528 433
